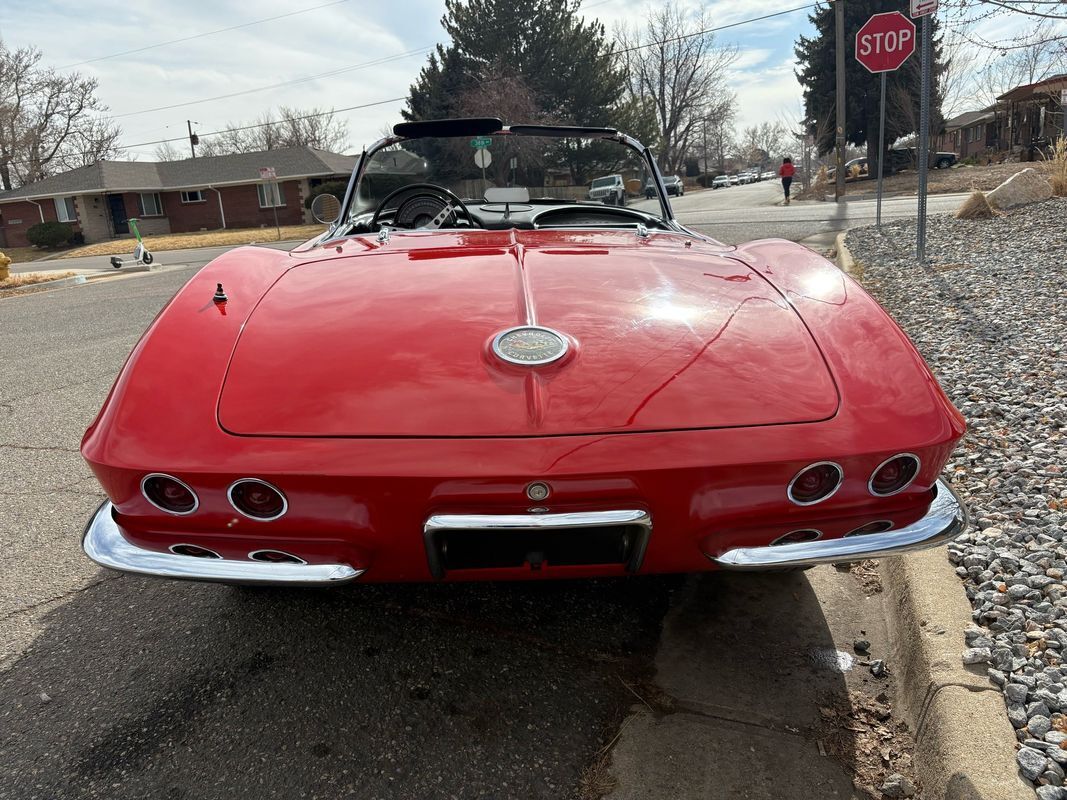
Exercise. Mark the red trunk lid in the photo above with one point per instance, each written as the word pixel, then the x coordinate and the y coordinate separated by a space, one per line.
pixel 396 342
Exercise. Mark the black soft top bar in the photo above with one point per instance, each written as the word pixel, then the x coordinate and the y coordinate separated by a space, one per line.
pixel 570 131
pixel 476 126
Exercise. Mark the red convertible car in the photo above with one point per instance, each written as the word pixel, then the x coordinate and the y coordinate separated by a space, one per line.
pixel 478 374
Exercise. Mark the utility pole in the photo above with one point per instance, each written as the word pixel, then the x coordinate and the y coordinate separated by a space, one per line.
pixel 839 52
pixel 194 140
pixel 704 129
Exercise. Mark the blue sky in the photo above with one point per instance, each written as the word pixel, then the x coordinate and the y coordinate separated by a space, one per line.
pixel 342 34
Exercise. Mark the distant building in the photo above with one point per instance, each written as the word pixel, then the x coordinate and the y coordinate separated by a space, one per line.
pixel 172 196
pixel 1033 113
pixel 970 134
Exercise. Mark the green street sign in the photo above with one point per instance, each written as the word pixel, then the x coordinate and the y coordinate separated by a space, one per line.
pixel 481 141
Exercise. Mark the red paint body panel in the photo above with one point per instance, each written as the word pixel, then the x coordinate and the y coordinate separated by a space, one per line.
pixel 710 477
pixel 398 344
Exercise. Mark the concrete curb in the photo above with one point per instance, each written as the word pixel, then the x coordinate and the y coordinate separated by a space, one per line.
pixel 845 262
pixel 964 744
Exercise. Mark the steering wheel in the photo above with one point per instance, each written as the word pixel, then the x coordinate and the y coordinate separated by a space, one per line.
pixel 419 190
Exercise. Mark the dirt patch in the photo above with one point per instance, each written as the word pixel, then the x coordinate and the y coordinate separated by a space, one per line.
pixel 183 241
pixel 862 734
pixel 961 178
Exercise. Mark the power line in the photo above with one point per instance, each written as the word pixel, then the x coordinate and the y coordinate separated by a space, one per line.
pixel 201 35
pixel 231 130
pixel 330 73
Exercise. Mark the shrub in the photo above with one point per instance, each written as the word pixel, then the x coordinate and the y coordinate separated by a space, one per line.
pixel 976 207
pixel 1058 179
pixel 49 234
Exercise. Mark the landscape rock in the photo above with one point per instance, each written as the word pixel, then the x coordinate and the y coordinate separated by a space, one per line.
pixel 896 785
pixel 1022 188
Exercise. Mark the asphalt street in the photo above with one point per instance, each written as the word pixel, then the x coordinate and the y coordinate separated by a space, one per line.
pixel 740 213
pixel 123 687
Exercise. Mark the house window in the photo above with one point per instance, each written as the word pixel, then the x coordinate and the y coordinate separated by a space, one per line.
pixel 195 196
pixel 270 195
pixel 151 204
pixel 65 209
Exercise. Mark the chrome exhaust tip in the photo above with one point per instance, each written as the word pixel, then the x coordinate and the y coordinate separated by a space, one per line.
pixel 275 557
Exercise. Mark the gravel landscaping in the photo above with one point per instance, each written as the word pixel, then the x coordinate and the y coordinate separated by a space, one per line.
pixel 989 313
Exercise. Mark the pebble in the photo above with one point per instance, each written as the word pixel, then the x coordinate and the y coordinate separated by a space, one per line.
pixel 897 785
pixel 861 646
pixel 988 315
pixel 1031 762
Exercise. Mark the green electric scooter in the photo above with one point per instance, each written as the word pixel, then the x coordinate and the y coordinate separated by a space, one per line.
pixel 140 253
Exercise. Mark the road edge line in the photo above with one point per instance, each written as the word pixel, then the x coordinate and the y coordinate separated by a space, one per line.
pixel 964 744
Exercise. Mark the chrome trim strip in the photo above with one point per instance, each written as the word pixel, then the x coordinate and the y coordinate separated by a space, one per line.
pixel 531 522
pixel 188 488
pixel 104 543
pixel 840 480
pixel 945 519
pixel 271 486
pixel 918 467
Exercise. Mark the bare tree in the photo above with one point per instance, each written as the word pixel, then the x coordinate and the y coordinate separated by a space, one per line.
pixel 290 127
pixel 168 152
pixel 759 143
pixel 681 70
pixel 1038 55
pixel 49 121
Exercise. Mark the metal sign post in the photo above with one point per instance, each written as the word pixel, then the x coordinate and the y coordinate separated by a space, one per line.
pixel 923 8
pixel 839 121
pixel 483 158
pixel 883 44
pixel 924 143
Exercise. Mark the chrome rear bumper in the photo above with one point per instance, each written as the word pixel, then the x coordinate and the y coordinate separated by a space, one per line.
pixel 946 519
pixel 104 543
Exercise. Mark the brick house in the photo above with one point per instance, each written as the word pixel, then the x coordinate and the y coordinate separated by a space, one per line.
pixel 172 196
pixel 969 134
pixel 1034 113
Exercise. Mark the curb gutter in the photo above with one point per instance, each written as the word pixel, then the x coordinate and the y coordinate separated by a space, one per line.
pixel 964 744
pixel 845 262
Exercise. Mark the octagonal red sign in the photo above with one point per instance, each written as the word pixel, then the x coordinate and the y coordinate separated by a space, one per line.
pixel 885 41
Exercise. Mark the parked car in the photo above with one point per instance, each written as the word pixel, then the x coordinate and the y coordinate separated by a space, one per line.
pixel 769 175
pixel 672 183
pixel 746 177
pixel 734 180
pixel 720 181
pixel 610 190
pixel 515 387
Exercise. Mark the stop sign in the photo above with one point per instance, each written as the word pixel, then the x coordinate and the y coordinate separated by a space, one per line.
pixel 885 41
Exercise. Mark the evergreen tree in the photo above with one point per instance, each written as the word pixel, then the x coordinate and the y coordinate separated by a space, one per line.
pixel 817 74
pixel 568 63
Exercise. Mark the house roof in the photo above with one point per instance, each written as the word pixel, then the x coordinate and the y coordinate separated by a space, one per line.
pixel 189 173
pixel 967 119
pixel 1053 84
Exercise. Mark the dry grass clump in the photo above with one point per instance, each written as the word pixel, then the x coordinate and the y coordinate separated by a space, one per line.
pixel 1058 176
pixel 976 207
pixel 19 280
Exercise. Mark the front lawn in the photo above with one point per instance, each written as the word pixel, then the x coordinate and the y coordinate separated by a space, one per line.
pixel 182 241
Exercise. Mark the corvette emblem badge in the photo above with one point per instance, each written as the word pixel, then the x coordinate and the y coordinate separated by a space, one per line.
pixel 530 345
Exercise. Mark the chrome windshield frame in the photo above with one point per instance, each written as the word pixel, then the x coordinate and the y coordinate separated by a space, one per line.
pixel 345 216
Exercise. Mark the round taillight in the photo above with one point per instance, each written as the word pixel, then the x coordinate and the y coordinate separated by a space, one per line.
pixel 815 483
pixel 879 526
pixel 257 499
pixel 894 475
pixel 169 494
pixel 796 537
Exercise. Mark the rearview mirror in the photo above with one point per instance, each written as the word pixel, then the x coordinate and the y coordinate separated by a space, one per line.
pixel 325 207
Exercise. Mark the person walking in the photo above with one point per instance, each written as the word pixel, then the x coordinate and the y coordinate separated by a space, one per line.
pixel 786 172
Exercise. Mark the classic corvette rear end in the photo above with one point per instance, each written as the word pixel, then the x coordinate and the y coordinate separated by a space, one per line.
pixel 516 397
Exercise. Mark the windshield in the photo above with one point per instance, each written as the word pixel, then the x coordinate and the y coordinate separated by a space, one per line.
pixel 502 167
